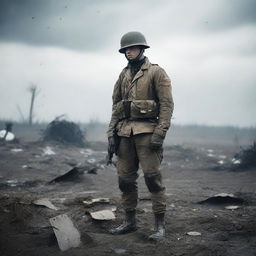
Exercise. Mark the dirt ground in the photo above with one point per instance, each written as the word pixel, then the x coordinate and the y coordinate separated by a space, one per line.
pixel 190 174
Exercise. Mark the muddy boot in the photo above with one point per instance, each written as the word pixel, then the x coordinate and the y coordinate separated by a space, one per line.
pixel 159 227
pixel 128 225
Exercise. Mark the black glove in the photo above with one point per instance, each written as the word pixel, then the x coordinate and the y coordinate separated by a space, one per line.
pixel 111 145
pixel 156 141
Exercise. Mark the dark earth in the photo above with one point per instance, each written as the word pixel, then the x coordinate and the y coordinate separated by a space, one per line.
pixel 192 173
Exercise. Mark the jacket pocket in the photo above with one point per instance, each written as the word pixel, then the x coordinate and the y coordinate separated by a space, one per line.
pixel 144 109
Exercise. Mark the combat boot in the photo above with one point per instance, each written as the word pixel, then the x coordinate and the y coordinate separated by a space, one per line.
pixel 128 225
pixel 159 227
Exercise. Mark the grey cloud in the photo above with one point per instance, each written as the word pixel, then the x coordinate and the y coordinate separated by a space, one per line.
pixel 82 25
pixel 230 14
pixel 93 24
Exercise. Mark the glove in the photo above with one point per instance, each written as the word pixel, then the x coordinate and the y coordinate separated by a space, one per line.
pixel 111 145
pixel 156 141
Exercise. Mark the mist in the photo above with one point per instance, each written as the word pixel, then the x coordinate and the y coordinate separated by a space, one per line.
pixel 69 50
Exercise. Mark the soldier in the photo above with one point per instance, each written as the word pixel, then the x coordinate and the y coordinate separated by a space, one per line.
pixel 141 113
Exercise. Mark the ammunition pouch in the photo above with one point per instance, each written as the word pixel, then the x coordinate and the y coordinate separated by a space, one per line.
pixel 137 109
pixel 143 109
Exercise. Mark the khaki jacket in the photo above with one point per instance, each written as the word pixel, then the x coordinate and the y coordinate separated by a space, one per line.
pixel 150 83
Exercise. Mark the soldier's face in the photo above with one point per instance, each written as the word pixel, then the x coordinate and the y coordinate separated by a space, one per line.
pixel 132 52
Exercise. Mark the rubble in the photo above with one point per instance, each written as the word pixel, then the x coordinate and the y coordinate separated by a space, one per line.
pixel 6 134
pixel 223 199
pixel 246 158
pixel 64 131
pixel 72 175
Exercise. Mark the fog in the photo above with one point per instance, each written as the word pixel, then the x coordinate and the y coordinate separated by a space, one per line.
pixel 69 49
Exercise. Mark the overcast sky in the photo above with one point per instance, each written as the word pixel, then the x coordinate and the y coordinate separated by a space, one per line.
pixel 69 49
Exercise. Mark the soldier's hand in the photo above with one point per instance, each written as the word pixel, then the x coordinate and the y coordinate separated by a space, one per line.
pixel 156 141
pixel 111 145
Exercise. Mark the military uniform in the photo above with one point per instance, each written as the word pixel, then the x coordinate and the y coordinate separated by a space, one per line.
pixel 141 114
pixel 150 106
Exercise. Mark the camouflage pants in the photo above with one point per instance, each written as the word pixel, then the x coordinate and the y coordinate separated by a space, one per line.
pixel 133 151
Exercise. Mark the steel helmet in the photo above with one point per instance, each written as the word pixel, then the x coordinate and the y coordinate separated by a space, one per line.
pixel 132 39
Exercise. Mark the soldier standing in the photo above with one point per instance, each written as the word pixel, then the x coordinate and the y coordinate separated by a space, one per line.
pixel 141 113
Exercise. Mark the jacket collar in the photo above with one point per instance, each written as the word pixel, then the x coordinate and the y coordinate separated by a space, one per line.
pixel 144 66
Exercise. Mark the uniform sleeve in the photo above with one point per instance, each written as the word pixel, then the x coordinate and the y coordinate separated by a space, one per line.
pixel 163 90
pixel 116 97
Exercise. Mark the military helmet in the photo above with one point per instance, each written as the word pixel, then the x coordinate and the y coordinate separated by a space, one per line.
pixel 132 39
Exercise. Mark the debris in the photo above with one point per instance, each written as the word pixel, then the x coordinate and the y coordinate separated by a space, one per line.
pixel 103 215
pixel 17 150
pixel 119 250
pixel 246 158
pixel 94 201
pixel 48 151
pixel 91 161
pixel 72 175
pixel 45 202
pixel 222 199
pixel 67 235
pixel 236 161
pixel 232 207
pixel 12 183
pixel 220 162
pixel 7 136
pixel 64 131
pixel 87 152
pixel 194 233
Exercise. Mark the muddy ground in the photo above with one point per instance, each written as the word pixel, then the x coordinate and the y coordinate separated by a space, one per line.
pixel 191 173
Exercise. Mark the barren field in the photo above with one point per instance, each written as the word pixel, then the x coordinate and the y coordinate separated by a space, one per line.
pixel 191 173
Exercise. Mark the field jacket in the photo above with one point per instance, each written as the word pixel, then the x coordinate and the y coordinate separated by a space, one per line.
pixel 152 85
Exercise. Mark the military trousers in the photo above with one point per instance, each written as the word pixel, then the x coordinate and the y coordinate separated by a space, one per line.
pixel 134 151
